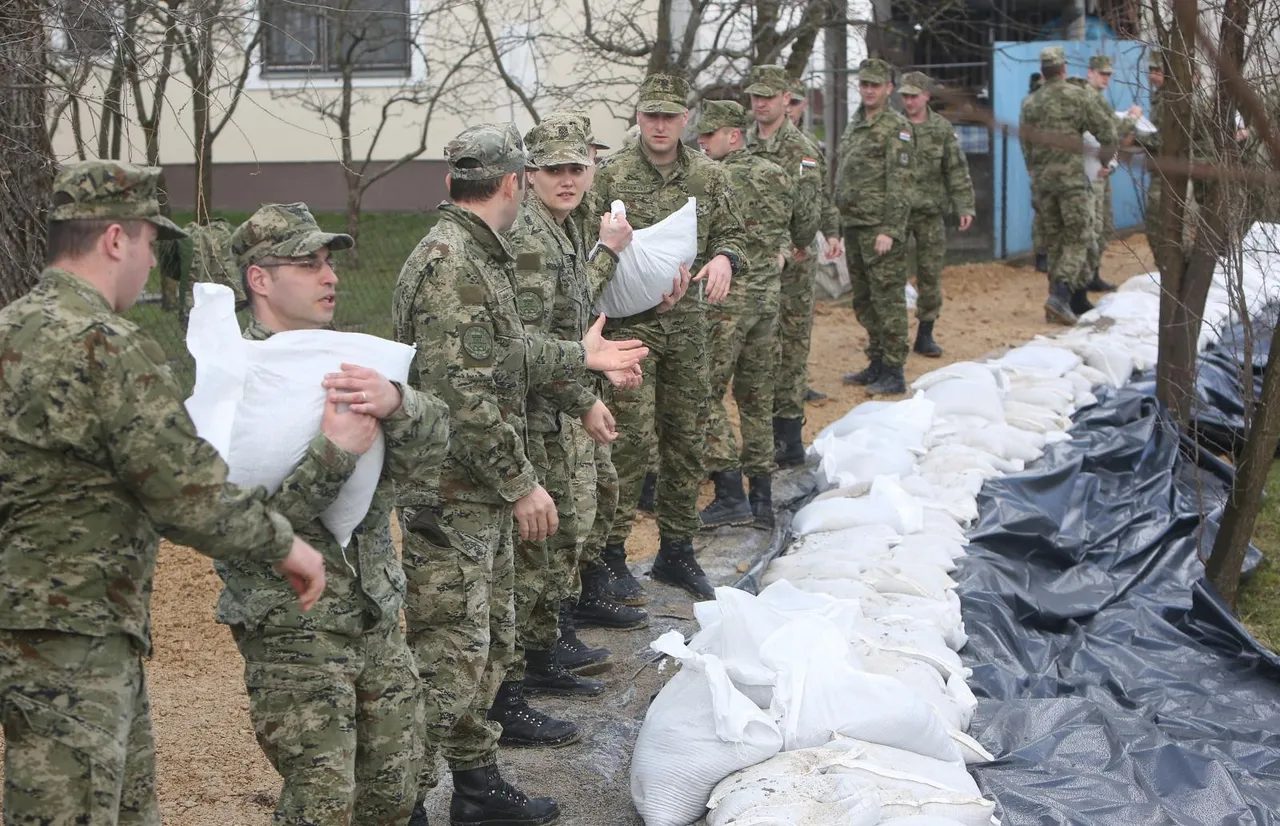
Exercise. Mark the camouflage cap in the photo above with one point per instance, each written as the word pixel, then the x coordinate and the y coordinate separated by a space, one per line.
pixel 557 142
pixel 915 83
pixel 1053 56
pixel 769 81
pixel 663 94
pixel 111 191
pixel 490 150
pixel 580 118
pixel 717 114
pixel 874 70
pixel 282 231
pixel 1101 63
pixel 799 91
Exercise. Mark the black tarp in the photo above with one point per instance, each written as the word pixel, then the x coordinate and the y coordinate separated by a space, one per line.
pixel 1114 685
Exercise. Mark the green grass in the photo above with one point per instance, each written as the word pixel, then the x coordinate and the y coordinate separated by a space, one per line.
pixel 364 291
pixel 1259 599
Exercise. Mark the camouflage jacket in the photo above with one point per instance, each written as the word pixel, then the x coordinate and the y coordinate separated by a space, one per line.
pixel 873 179
pixel 766 199
pixel 629 176
pixel 789 149
pixel 455 301
pixel 553 297
pixel 602 262
pixel 1124 125
pixel 1151 143
pixel 98 459
pixel 829 215
pixel 364 583
pixel 1060 110
pixel 940 178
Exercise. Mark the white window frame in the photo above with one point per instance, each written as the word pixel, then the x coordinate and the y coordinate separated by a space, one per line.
pixel 257 80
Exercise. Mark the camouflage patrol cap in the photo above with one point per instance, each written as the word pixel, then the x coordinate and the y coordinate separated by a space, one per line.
pixel 874 70
pixel 583 122
pixel 663 94
pixel 111 191
pixel 768 81
pixel 717 114
pixel 490 150
pixel 556 143
pixel 915 83
pixel 799 92
pixel 1053 56
pixel 1101 63
pixel 282 231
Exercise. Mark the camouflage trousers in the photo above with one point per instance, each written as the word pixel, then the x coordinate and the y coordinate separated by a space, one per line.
pixel 668 407
pixel 545 571
pixel 461 616
pixel 603 498
pixel 1100 207
pixel 879 294
pixel 930 234
pixel 77 731
pixel 792 332
pixel 339 717
pixel 741 348
pixel 1067 222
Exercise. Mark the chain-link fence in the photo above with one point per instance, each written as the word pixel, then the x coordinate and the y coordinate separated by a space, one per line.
pixel 364 288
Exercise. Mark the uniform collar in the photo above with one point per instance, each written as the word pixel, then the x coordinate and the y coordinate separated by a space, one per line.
pixel 682 159
pixel 492 242
pixel 542 214
pixel 754 138
pixel 257 331
pixel 57 277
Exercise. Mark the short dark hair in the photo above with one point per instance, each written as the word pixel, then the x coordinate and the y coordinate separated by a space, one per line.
pixel 72 239
pixel 472 191
pixel 1052 72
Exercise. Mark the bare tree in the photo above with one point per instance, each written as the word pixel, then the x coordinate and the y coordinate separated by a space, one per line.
pixel 26 158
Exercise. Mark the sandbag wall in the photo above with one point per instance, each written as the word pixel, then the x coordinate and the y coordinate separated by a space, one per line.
pixel 839 695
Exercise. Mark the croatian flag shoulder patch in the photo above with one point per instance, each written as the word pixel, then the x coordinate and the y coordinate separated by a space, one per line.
pixel 808 163
pixel 906 136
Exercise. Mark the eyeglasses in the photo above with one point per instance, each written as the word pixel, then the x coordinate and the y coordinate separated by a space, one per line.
pixel 312 263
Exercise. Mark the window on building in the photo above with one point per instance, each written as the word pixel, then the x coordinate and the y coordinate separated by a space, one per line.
pixel 372 37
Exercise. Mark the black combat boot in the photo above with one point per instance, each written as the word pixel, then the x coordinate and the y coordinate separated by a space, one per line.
pixel 482 798
pixel 1080 303
pixel 761 498
pixel 544 674
pixel 1057 308
pixel 866 375
pixel 890 383
pixel 623 586
pixel 419 816
pixel 648 492
pixel 811 395
pixel 1042 262
pixel 1097 285
pixel 675 565
pixel 526 727
pixel 596 608
pixel 730 505
pixel 572 652
pixel 788 442
pixel 925 345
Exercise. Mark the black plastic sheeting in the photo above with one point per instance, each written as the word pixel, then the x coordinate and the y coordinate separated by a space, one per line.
pixel 1114 685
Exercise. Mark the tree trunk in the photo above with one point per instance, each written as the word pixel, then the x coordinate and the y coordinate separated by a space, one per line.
pixel 26 158
pixel 200 71
pixel 1223 568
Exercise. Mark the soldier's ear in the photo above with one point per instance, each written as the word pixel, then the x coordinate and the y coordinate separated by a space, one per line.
pixel 255 281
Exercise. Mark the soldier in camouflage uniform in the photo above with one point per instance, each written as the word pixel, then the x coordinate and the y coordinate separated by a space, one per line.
pixel 940 184
pixel 455 300
pixel 99 460
pixel 742 328
pixel 775 138
pixel 1059 188
pixel 874 194
pixel 1099 78
pixel 1037 234
pixel 654 178
pixel 334 694
pixel 1151 143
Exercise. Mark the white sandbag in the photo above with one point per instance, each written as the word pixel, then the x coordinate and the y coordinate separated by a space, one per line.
pixel 259 403
pixel 957 504
pixel 914 640
pixel 929 545
pixel 965 397
pixel 815 800
pixel 1002 440
pixel 911 295
pixel 822 542
pixel 909 419
pixel 956 458
pixel 1092 375
pixel 862 456
pixel 1039 358
pixel 1058 398
pixel 696 732
pixel 848 547
pixel 815 683
pixel 886 504
pixel 921 820
pixel 884 577
pixel 944 615
pixel 1034 419
pixel 648 265
pixel 964 370
pixel 1147 283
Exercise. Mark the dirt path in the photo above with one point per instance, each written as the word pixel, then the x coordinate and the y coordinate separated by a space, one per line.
pixel 211 772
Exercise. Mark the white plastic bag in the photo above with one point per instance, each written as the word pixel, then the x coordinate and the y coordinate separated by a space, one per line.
pixel 815 800
pixel 697 731
pixel 648 265
pixel 259 403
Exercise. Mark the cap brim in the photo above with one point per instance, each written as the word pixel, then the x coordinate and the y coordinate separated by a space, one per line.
pixel 559 158
pixel 599 145
pixel 317 241
pixel 167 230
pixel 797 98
pixel 661 107
pixel 908 89
pixel 762 90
